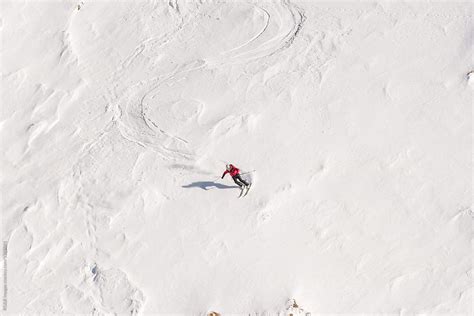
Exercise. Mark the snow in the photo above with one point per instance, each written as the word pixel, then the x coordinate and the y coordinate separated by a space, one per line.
pixel 353 120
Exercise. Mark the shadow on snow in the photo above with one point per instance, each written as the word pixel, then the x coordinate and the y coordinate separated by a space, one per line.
pixel 207 185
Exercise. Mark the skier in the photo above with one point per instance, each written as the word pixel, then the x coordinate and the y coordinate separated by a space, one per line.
pixel 235 174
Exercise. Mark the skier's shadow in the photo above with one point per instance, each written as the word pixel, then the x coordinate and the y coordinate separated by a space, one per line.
pixel 207 185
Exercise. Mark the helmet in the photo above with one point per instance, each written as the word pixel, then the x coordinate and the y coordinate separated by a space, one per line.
pixel 228 167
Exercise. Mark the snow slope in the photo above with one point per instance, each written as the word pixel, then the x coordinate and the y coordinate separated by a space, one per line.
pixel 117 119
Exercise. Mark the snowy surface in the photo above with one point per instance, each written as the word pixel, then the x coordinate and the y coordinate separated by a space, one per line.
pixel 117 119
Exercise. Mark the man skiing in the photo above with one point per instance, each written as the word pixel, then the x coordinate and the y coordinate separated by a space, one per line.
pixel 235 174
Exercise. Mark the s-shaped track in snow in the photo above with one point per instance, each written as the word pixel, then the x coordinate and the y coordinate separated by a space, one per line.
pixel 148 113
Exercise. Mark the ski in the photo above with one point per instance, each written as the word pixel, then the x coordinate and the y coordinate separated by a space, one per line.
pixel 241 192
pixel 244 191
pixel 248 188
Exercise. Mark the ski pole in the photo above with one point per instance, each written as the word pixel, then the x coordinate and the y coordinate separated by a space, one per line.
pixel 248 172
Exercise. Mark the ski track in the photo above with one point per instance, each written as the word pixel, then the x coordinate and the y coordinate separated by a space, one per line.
pixel 155 136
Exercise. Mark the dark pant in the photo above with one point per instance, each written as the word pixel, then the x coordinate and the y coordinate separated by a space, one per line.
pixel 239 181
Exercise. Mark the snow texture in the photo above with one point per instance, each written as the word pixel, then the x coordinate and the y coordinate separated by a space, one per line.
pixel 353 120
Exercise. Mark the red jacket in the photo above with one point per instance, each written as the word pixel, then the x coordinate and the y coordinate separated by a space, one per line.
pixel 233 171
